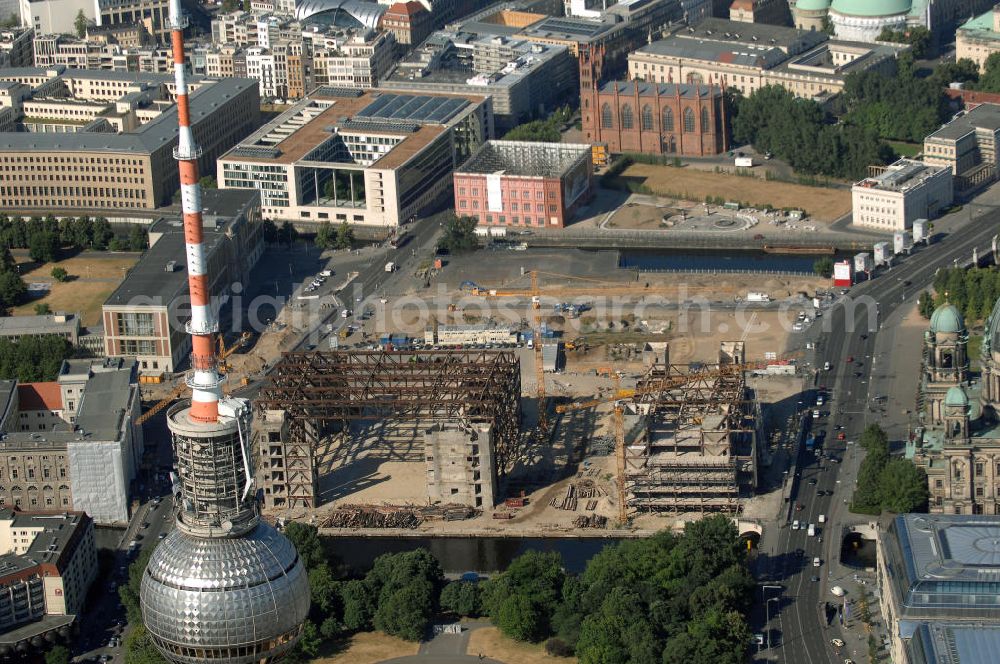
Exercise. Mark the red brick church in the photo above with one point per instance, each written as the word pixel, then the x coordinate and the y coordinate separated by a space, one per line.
pixel 655 118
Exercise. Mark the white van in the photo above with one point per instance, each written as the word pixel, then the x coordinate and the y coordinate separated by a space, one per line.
pixel 817 562
pixel 795 524
pixel 822 518
pixel 811 532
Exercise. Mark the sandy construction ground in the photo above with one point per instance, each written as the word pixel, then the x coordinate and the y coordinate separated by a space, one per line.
pixel 821 203
pixel 491 643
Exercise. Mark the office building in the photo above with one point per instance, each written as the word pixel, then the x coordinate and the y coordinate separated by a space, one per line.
pixel 522 184
pixel 150 15
pixel 903 192
pixel 368 157
pixel 47 17
pixel 48 562
pixel 16 47
pixel 144 317
pixel 409 22
pixel 655 118
pixel 119 155
pixel 357 59
pixel 937 570
pixel 526 80
pixel 748 57
pixel 13 328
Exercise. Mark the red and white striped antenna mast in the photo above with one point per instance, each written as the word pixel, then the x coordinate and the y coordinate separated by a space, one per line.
pixel 204 379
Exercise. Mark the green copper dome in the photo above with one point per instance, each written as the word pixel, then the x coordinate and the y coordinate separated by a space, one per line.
pixel 956 397
pixel 871 7
pixel 947 319
pixel 810 5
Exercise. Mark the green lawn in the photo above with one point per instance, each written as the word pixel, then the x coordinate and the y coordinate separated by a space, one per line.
pixel 906 149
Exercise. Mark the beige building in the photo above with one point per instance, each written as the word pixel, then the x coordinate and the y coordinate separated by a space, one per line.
pixel 774 12
pixel 122 157
pixel 979 38
pixel 462 335
pixel 152 15
pixel 15 47
pixel 368 157
pixel 750 56
pixel 359 61
pixel 88 451
pixel 48 562
pixel 460 468
pixel 904 192
pixel 144 317
pixel 967 145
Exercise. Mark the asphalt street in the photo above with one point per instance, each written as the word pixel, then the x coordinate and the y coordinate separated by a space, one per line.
pixel 846 339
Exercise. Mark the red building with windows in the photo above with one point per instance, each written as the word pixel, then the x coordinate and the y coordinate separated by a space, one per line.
pixel 654 118
pixel 524 184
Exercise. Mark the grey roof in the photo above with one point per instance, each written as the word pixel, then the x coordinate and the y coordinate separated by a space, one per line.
pixel 955 643
pixel 762 56
pixel 945 566
pixel 105 402
pixel 582 30
pixel 157 133
pixel 48 545
pixel 44 324
pixel 737 32
pixel 418 108
pixel 646 89
pixel 149 281
pixel 984 116
pixel 365 13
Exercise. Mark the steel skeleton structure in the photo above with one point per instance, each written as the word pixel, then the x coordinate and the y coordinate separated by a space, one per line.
pixel 315 388
pixel 697 444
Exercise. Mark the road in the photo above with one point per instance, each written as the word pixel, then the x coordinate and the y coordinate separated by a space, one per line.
pixel 847 341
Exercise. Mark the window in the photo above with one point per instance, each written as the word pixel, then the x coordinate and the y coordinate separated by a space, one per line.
pixel 979 492
pixel 688 120
pixel 647 118
pixel 704 121
pixel 627 116
pixel 135 325
pixel 606 116
pixel 938 484
pixel 979 470
pixel 668 120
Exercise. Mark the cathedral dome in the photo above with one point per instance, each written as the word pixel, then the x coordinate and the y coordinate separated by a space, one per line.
pixel 812 5
pixel 956 396
pixel 947 319
pixel 871 7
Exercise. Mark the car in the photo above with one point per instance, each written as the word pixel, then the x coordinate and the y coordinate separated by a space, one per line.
pixel 815 414
pixel 841 436
pixel 105 658
pixel 795 524
pixel 326 273
pixel 837 643
pixel 819 400
pixel 814 579
pixel 812 481
pixel 161 536
pixel 826 366
pixel 311 347
pixel 850 358
pixel 799 507
pixel 817 562
pixel 858 374
pixel 835 459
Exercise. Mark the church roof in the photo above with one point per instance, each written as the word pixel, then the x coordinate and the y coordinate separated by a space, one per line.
pixel 947 319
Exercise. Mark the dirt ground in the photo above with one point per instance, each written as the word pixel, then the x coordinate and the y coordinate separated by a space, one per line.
pixel 369 648
pixel 92 279
pixel 642 217
pixel 821 203
pixel 491 643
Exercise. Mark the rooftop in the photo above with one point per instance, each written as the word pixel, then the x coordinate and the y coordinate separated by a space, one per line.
pixel 901 176
pixel 582 30
pixel 54 535
pixel 955 643
pixel 936 563
pixel 762 56
pixel 47 324
pixel 161 276
pixel 686 90
pixel 294 134
pixel 39 396
pixel 983 116
pixel 523 158
pixel 160 131
pixel 790 40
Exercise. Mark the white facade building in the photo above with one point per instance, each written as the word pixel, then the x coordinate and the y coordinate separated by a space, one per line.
pixel 906 191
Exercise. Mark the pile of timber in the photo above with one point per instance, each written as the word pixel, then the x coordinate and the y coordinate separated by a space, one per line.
pixel 592 521
pixel 366 516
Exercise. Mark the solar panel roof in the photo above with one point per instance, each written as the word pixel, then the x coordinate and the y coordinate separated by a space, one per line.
pixel 417 108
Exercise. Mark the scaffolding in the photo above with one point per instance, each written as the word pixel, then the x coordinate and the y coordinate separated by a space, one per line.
pixel 692 445
pixel 527 159
pixel 317 389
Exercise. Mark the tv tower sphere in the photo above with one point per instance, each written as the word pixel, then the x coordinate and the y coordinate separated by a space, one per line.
pixel 223 587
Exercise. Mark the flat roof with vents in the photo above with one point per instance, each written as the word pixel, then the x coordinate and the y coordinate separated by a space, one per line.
pixel 419 108
pixel 525 159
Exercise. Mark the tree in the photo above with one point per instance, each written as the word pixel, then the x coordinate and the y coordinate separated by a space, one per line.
pixel 139 648
pixel 42 309
pixel 823 267
pixel 287 233
pixel 918 37
pixel 715 638
pixel 538 131
pixel 230 5
pixel 989 80
pixel 80 23
pixel 208 182
pixel 101 234
pixel 345 236
pixel 925 304
pixel 868 496
pixel 136 238
pixel 462 598
pixel 306 539
pixel 359 605
pixel 520 617
pixel 324 237
pixel 58 655
pixel 43 247
pixel 874 437
pixel 963 71
pixel 12 289
pixel 459 235
pixel 903 487
pixel 406 612
pixel 59 274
